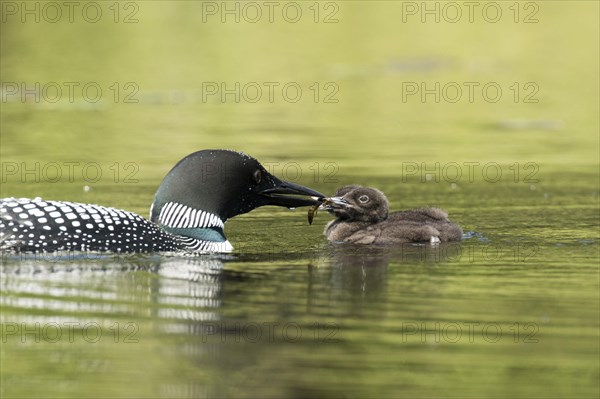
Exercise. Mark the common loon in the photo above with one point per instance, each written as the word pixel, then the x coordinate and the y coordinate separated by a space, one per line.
pixel 362 217
pixel 191 205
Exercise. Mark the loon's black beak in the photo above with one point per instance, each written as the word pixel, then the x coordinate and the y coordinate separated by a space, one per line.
pixel 290 195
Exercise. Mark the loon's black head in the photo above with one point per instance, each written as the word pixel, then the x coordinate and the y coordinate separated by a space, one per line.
pixel 208 187
pixel 356 203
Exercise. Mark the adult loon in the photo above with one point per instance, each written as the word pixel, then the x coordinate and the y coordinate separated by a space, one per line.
pixel 191 205
pixel 362 217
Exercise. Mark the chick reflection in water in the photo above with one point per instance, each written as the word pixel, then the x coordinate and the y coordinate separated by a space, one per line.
pixel 362 217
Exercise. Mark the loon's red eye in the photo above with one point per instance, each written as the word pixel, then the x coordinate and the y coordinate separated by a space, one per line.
pixel 257 176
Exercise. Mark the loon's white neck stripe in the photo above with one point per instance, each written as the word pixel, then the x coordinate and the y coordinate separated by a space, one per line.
pixel 197 218
pixel 186 218
pixel 170 217
pixel 170 209
pixel 164 211
pixel 181 212
pixel 202 246
pixel 192 216
pixel 182 216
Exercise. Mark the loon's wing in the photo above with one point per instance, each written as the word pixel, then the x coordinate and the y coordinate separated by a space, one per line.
pixel 35 225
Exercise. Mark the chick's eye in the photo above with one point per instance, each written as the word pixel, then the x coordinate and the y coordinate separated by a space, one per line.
pixel 363 199
pixel 257 176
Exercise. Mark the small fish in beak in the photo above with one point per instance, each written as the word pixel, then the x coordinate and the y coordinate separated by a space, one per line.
pixel 327 203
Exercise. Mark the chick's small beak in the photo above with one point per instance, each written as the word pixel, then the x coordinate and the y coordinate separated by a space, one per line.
pixel 334 203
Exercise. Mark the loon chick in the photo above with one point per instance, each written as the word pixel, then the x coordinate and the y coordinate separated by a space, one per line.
pixel 191 205
pixel 362 218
